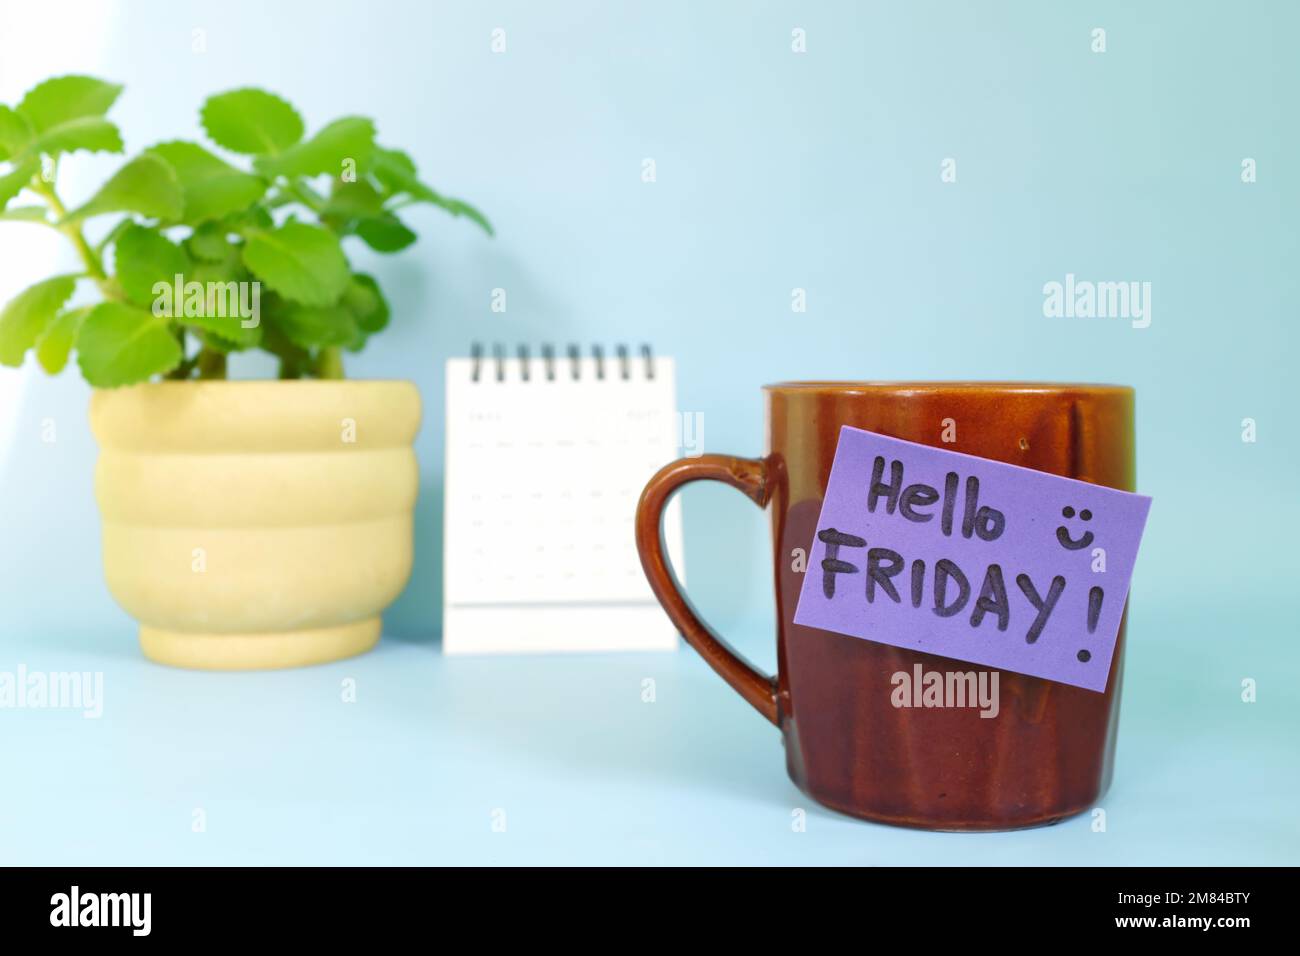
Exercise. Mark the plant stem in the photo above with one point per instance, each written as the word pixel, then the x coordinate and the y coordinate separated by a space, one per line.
pixel 186 366
pixel 305 195
pixel 94 267
pixel 211 363
pixel 329 363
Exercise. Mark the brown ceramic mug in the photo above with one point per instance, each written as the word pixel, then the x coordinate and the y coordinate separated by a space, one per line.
pixel 1048 753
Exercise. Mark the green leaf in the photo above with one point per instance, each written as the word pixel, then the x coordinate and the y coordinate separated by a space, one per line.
pixel 275 342
pixel 120 344
pixel 255 218
pixel 310 326
pixel 211 187
pixel 227 289
pixel 351 138
pixel 94 134
pixel 208 243
pixel 384 233
pixel 230 335
pixel 65 98
pixel 396 171
pixel 15 133
pixel 358 209
pixel 146 185
pixel 251 121
pixel 228 268
pixel 53 348
pixel 353 200
pixel 458 207
pixel 301 262
pixel 66 113
pixel 366 303
pixel 145 257
pixel 29 314
pixel 220 317
pixel 213 343
pixel 13 182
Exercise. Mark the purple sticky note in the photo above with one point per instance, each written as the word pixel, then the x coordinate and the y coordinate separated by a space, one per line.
pixel 972 559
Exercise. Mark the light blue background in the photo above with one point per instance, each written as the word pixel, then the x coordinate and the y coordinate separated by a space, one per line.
pixel 775 170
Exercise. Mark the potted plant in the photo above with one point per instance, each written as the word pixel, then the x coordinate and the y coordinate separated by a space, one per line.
pixel 246 524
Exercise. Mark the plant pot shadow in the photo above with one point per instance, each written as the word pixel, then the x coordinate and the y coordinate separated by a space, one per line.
pixel 415 617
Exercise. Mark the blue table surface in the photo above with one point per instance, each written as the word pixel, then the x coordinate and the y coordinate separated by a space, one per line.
pixel 417 770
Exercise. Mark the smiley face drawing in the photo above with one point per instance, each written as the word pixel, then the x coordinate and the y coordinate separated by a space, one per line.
pixel 1063 533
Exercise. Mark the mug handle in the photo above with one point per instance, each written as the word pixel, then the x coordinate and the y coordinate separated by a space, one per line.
pixel 750 475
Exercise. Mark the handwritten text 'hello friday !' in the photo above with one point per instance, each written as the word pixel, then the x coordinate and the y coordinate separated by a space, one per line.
pixel 981 521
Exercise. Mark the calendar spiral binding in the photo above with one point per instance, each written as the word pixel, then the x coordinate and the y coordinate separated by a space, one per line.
pixel 573 353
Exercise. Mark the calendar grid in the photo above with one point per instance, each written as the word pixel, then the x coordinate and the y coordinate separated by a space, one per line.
pixel 547 453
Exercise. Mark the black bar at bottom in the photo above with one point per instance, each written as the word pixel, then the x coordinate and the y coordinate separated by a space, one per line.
pixel 332 905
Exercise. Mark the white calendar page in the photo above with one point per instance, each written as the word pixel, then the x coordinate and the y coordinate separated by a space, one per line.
pixel 543 474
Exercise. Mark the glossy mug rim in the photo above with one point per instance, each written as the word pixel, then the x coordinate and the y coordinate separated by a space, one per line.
pixel 869 386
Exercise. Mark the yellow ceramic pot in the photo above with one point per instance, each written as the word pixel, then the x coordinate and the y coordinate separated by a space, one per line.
pixel 256 524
